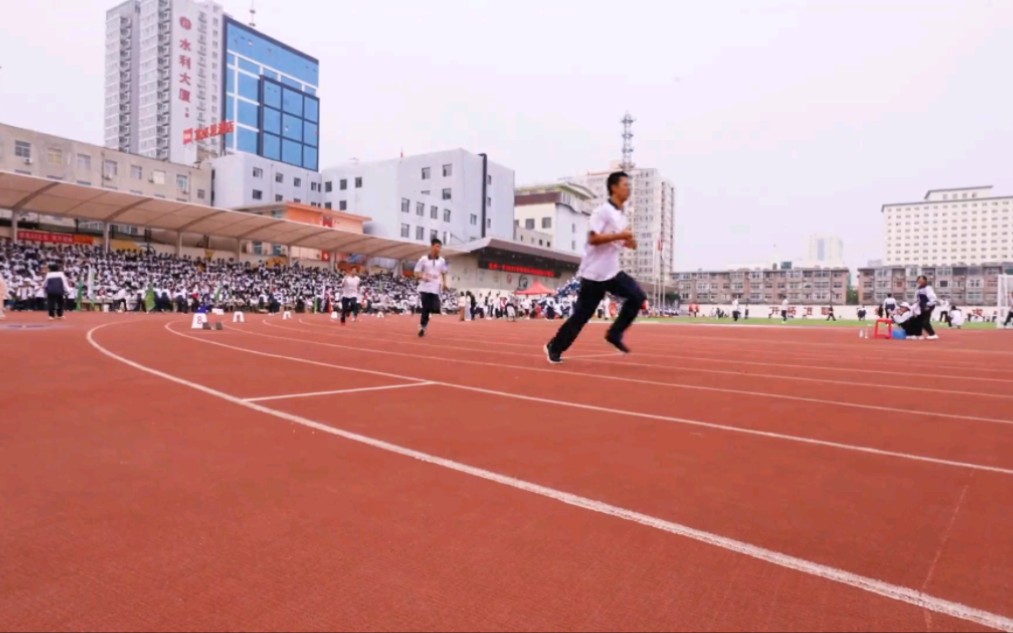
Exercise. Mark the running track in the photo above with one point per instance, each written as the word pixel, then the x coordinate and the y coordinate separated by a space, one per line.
pixel 299 475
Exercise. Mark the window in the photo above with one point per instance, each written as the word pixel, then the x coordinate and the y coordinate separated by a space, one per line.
pixel 297 200
pixel 358 182
pixel 258 194
pixel 258 172
pixel 573 245
pixel 420 233
pixel 488 202
pixel 433 234
pixel 420 209
pixel 546 223
pixel 434 213
pixel 448 170
pixel 446 215
pixel 426 192
pixel 343 205
pixel 157 177
pixel 343 184
pixel 136 172
pixel 446 194
pixel 54 156
pixel 406 231
pixel 109 169
pixel 84 162
pixel 406 205
pixel 314 186
pixel 327 205
pixel 278 197
pixel 23 149
pixel 279 177
pixel 426 173
pixel 473 220
pixel 297 182
pixel 488 179
pixel 488 223
pixel 328 186
pixel 529 223
pixel 182 182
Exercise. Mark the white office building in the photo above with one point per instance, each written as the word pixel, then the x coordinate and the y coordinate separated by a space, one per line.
pixel 651 211
pixel 553 215
pixel 967 225
pixel 163 77
pixel 454 195
pixel 826 251
pixel 246 180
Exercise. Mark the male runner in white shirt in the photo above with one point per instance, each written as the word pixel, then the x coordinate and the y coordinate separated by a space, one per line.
pixel 600 273
pixel 350 296
pixel 431 270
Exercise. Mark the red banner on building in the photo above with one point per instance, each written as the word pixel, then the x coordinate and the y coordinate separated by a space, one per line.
pixel 53 238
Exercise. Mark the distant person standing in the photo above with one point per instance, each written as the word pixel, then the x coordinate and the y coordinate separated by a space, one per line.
pixel 735 310
pixel 431 270
pixel 784 310
pixel 55 286
pixel 350 296
pixel 889 305
pixel 830 313
pixel 927 302
pixel 1009 315
pixel 601 273
pixel 3 296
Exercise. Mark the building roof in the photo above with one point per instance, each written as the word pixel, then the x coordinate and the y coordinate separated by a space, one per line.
pixel 30 194
pixel 517 247
pixel 551 187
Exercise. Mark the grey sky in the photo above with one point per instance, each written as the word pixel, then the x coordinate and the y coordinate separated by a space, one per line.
pixel 774 119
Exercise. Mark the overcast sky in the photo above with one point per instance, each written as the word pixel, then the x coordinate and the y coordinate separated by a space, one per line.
pixel 774 119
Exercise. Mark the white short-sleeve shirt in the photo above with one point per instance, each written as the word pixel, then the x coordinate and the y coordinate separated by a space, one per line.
pixel 350 287
pixel 601 262
pixel 429 272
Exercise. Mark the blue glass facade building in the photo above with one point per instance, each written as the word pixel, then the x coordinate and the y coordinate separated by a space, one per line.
pixel 270 92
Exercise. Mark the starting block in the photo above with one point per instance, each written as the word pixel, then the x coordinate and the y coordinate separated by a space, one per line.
pixel 286 315
pixel 887 326
pixel 238 317
pixel 217 312
pixel 207 326
pixel 334 316
pixel 200 321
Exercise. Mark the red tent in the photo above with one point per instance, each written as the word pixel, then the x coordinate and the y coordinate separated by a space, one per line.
pixel 535 289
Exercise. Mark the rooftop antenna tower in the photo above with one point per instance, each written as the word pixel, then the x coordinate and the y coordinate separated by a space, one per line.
pixel 627 164
pixel 253 14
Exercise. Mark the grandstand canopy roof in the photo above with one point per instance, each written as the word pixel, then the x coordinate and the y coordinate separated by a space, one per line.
pixel 495 243
pixel 29 194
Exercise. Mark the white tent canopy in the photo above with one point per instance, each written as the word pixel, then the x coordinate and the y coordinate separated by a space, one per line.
pixel 29 194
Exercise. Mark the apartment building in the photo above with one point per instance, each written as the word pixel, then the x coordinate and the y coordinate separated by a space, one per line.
pixel 555 213
pixel 974 285
pixel 801 286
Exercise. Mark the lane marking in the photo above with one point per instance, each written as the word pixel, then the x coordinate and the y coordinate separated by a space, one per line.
pixel 641 381
pixel 625 412
pixel 336 392
pixel 870 585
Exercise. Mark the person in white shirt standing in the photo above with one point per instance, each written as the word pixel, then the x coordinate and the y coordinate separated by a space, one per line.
pixel 350 296
pixel 927 302
pixel 56 287
pixel 431 270
pixel 600 273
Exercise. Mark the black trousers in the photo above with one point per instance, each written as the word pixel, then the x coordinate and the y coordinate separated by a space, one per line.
pixel 926 318
pixel 1009 319
pixel 430 305
pixel 349 305
pixel 55 304
pixel 590 295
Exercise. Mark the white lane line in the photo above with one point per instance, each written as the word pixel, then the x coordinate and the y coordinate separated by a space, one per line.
pixel 581 357
pixel 634 414
pixel 336 392
pixel 871 585
pixel 640 381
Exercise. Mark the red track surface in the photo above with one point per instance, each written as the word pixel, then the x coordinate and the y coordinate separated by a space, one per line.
pixel 760 479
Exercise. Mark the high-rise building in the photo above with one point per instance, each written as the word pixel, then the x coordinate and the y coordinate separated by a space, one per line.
pixel 270 92
pixel 950 227
pixel 826 251
pixel 163 78
pixel 454 195
pixel 185 82
pixel 651 212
